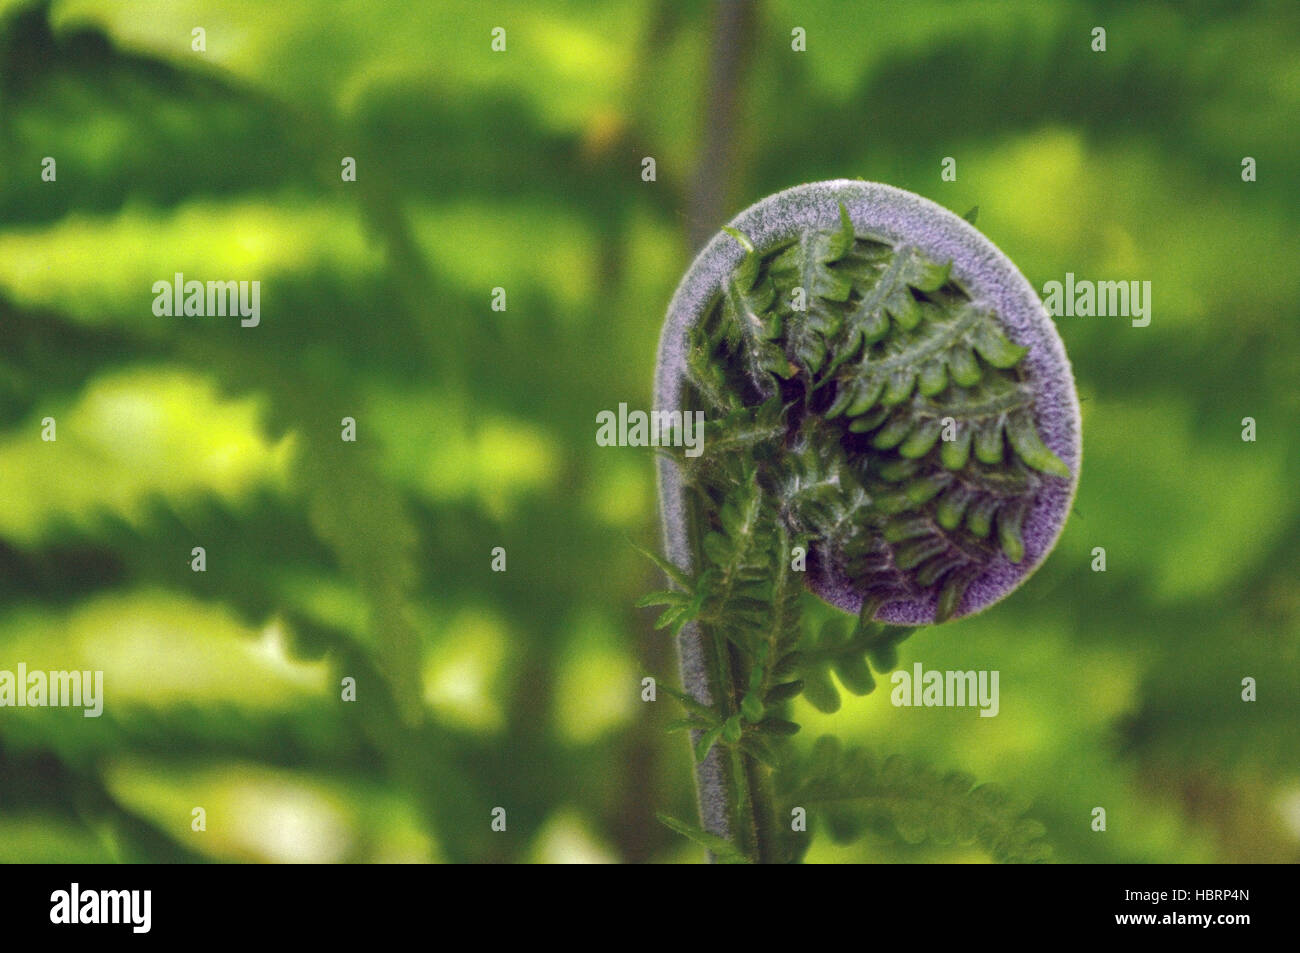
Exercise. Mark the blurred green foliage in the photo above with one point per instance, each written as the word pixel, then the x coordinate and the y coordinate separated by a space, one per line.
pixel 476 428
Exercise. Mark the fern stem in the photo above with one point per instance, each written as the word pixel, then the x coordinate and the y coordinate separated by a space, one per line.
pixel 756 805
pixel 761 797
pixel 714 776
pixel 699 667
pixel 735 791
pixel 739 803
pixel 725 779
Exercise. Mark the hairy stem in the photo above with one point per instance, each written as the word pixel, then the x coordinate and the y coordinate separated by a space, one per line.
pixel 734 793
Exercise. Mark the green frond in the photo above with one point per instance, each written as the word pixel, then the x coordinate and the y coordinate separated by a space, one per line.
pixel 848 791
pixel 835 650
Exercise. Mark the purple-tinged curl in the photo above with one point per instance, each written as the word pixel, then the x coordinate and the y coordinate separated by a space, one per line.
pixel 983 272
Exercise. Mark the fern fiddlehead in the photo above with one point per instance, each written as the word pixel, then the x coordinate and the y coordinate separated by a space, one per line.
pixel 891 421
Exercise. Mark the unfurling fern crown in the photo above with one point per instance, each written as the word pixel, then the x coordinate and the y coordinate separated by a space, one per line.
pixel 890 421
pixel 878 405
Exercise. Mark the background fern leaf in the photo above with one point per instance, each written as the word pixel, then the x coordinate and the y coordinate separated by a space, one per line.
pixel 848 792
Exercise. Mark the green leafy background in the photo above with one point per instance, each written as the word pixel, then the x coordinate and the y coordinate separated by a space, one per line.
pixel 476 428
